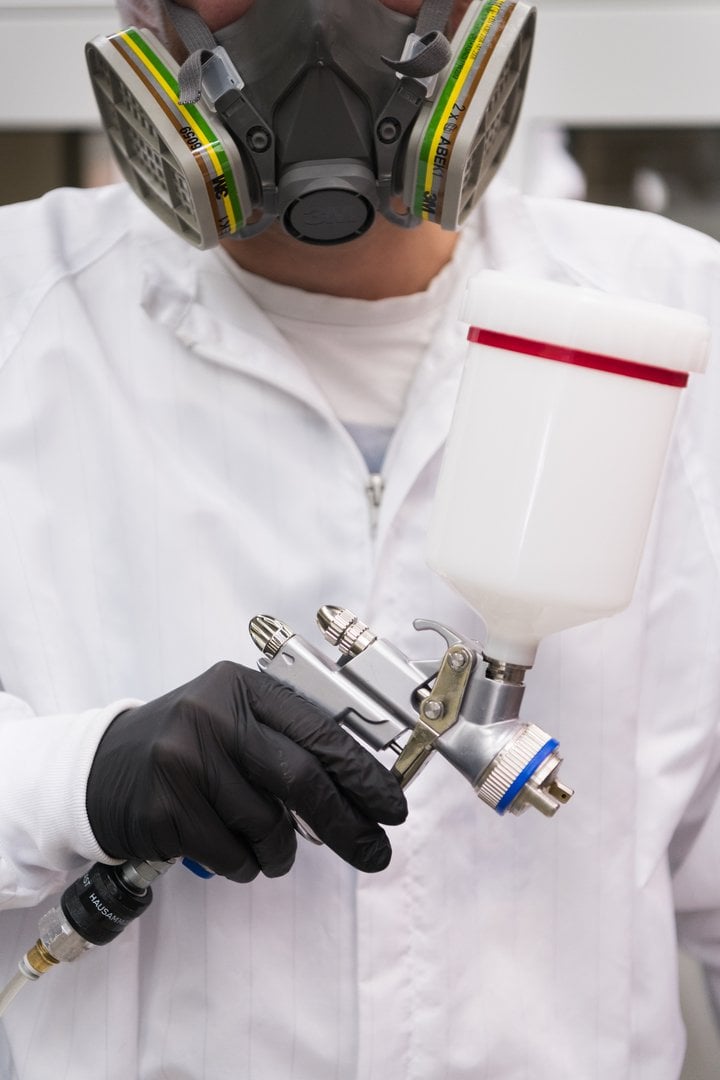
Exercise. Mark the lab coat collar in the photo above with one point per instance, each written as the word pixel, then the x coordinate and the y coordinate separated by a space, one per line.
pixel 202 305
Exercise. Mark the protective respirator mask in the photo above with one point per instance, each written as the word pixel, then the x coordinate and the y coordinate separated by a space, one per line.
pixel 319 114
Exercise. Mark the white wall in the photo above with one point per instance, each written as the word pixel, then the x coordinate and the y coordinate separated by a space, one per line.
pixel 43 83
pixel 628 62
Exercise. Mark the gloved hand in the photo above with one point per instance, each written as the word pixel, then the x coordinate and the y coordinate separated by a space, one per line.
pixel 208 770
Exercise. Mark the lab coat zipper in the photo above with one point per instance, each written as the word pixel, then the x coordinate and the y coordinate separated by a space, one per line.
pixel 374 489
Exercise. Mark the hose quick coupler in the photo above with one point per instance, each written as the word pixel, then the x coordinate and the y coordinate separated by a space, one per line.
pixel 92 911
pixel 101 903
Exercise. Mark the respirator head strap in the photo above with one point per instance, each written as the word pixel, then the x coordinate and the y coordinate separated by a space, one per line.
pixel 427 50
pixel 200 43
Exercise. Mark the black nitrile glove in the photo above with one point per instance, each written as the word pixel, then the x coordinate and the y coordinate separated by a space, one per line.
pixel 208 770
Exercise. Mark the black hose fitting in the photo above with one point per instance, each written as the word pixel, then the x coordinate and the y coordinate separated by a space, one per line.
pixel 101 903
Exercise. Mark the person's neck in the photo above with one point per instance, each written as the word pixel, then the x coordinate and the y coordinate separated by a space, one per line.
pixel 386 261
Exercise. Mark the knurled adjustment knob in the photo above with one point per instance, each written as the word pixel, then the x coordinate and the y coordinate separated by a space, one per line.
pixel 342 628
pixel 334 621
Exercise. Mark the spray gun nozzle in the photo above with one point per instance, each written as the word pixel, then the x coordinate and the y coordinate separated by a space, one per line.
pixel 560 791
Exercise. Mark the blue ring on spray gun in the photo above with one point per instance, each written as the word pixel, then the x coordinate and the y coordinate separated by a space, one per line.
pixel 520 780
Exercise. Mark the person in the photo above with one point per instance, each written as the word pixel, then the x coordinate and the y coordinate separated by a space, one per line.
pixel 191 437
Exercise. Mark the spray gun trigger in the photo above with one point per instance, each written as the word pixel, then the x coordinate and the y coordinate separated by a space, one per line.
pixel 449 636
pixel 303 829
pixel 439 709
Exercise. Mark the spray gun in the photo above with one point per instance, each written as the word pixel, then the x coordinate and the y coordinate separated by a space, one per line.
pixel 553 398
pixel 567 397
pixel 464 706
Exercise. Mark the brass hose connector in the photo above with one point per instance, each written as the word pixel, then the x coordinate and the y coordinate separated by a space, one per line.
pixel 39 959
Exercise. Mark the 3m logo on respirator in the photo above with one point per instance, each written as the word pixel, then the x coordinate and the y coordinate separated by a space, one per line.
pixel 328 216
pixel 220 187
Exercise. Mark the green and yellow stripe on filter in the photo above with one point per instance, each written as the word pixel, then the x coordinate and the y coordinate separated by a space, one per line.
pixel 188 116
pixel 457 94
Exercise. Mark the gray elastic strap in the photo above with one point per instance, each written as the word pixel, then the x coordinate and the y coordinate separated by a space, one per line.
pixel 435 53
pixel 433 15
pixel 432 58
pixel 199 41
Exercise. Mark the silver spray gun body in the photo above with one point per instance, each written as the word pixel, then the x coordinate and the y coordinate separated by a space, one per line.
pixel 463 706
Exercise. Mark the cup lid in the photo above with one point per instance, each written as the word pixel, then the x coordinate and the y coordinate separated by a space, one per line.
pixel 582 318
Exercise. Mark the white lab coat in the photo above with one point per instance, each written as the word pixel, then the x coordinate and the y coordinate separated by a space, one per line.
pixel 168 470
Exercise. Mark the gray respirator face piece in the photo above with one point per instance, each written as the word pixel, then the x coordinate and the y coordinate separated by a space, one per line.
pixel 316 78
pixel 296 113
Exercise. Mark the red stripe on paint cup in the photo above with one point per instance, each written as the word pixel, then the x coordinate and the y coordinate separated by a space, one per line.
pixel 614 365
